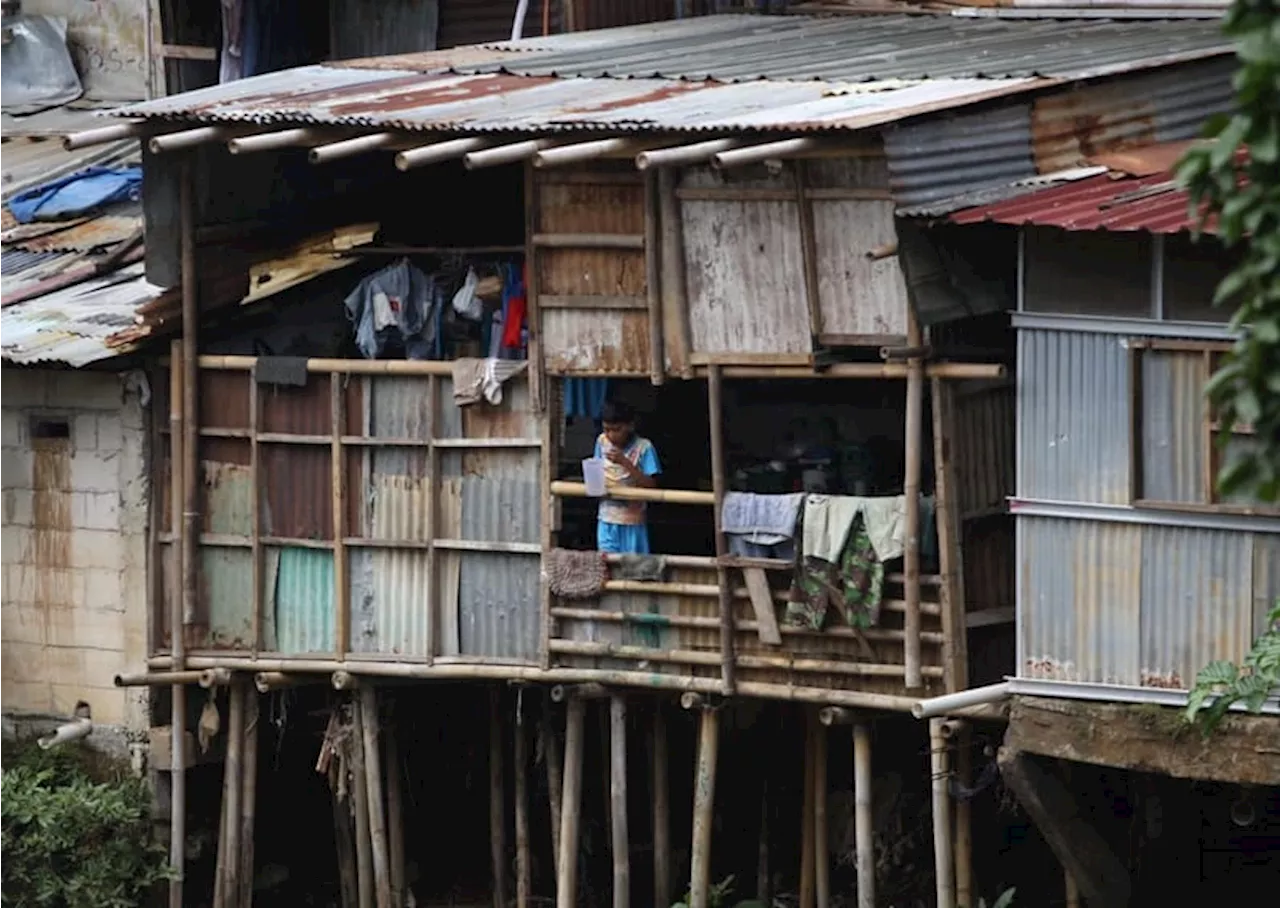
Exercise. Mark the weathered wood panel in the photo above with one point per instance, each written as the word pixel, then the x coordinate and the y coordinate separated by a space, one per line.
pixel 858 295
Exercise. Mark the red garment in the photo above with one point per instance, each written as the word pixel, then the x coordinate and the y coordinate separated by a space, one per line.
pixel 515 316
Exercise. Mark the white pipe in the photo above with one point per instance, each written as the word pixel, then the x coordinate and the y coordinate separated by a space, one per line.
pixel 72 731
pixel 947 704
pixel 517 27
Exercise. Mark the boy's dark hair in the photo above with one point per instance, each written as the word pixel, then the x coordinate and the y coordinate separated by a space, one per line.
pixel 615 411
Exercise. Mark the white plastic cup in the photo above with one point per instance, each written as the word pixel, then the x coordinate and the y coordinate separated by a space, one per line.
pixel 593 474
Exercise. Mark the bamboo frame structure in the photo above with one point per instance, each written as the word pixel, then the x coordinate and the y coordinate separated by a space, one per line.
pixel 704 793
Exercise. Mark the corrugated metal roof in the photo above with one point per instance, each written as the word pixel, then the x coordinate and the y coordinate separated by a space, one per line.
pixel 863 48
pixel 1154 204
pixel 725 73
pixel 495 103
pixel 73 325
pixel 83 235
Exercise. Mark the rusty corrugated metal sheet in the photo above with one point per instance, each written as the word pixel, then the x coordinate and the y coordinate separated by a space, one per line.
pixel 934 160
pixel 1197 602
pixel 1073 417
pixel 74 325
pixel 1079 600
pixel 1173 442
pixel 80 236
pixel 226 597
pixel 1154 204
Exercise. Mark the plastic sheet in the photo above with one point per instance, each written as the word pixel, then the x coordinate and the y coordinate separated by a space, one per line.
pixel 37 70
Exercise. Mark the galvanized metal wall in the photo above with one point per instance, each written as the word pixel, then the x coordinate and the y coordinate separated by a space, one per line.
pixel 1073 417
pixel 942 158
pixel 1145 603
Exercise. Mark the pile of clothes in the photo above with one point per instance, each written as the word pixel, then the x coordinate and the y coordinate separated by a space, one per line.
pixel 574 574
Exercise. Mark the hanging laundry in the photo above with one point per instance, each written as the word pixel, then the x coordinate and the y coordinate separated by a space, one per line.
pixel 853 584
pixel 585 397
pixel 477 379
pixel 514 304
pixel 395 301
pixel 760 526
pixel 827 522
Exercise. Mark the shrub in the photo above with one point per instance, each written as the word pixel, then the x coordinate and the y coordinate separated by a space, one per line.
pixel 70 842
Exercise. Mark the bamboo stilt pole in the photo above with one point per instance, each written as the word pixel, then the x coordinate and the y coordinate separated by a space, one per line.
pixel 963 820
pixel 520 756
pixel 618 801
pixel 1072 891
pixel 177 643
pixel 704 795
pixel 661 811
pixel 497 802
pixel 940 774
pixel 567 862
pixel 862 816
pixel 360 797
pixel 348 876
pixel 715 406
pixel 249 794
pixel 373 783
pixel 764 887
pixel 395 817
pixel 821 849
pixel 806 828
pixel 605 771
pixel 911 489
pixel 555 767
pixel 231 791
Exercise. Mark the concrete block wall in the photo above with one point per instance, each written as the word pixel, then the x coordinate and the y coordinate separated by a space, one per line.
pixel 74 545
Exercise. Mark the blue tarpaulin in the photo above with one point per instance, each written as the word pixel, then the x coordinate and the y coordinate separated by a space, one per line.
pixel 77 194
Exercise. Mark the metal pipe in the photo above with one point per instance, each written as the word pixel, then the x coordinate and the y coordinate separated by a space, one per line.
pixel 948 704
pixel 348 148
pixel 439 151
pixel 72 731
pixel 765 151
pixel 678 155
pixel 517 25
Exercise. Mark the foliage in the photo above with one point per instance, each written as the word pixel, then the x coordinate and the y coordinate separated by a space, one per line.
pixel 1235 180
pixel 1221 684
pixel 718 896
pixel 70 842
pixel 1004 901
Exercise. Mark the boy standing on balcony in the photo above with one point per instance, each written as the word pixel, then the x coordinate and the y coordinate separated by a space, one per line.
pixel 630 462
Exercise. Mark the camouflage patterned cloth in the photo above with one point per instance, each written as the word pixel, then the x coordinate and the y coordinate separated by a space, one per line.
pixel 853 586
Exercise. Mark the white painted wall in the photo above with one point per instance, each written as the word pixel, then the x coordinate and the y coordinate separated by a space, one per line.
pixel 74 544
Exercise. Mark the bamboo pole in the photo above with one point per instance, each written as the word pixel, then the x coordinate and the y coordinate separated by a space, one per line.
pixel 864 848
pixel 764 888
pixel 220 857
pixel 338 504
pixel 435 152
pixel 715 407
pixel 567 860
pixel 764 151
pixel 178 590
pixel 555 766
pixel 941 797
pixel 807 881
pixel 249 794
pixel 569 489
pixel 157 679
pixel 653 279
pixel 821 848
pixel 348 876
pixel 1071 890
pixel 232 782
pixel 950 557
pixel 187 138
pixel 704 792
pixel 347 148
pixel 911 489
pixel 964 827
pixel 395 817
pixel 100 135
pixel 618 801
pixel 533 304
pixel 675 295
pixel 360 795
pixel 524 869
pixel 497 802
pixel 606 773
pixel 679 155
pixel 373 783
pixel 190 399
pixel 808 248
pixel 661 811
pixel 272 141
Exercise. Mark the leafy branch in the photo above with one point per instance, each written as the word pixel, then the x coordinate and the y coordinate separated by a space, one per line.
pixel 1234 185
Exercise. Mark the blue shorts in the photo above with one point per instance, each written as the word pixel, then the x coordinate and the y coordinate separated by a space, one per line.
pixel 622 538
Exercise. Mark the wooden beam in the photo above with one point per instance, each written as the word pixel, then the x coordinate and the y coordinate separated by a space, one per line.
pixel 589 240
pixel 189 52
pixel 1083 852
pixel 808 249
pixel 672 278
pixel 1147 739
pixel 653 279
pixel 762 604
pixel 562 301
